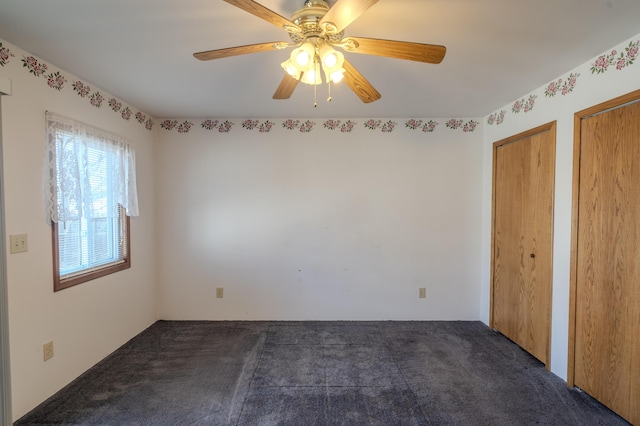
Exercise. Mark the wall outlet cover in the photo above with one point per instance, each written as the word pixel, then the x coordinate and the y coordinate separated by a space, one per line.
pixel 47 349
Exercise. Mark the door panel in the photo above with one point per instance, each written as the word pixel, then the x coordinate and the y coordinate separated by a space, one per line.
pixel 522 239
pixel 607 359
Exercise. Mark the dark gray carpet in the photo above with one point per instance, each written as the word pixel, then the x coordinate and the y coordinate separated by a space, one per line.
pixel 319 373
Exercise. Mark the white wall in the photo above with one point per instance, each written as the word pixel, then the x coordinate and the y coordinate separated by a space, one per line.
pixel 322 225
pixel 89 321
pixel 590 89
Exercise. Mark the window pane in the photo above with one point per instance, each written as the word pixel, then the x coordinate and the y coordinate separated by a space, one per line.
pixel 70 246
pixel 86 244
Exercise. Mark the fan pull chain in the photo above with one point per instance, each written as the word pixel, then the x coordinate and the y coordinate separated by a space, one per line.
pixel 315 96
pixel 315 77
pixel 329 84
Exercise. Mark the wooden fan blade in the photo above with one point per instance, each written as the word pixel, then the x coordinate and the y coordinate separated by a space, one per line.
pixel 361 87
pixel 345 12
pixel 234 51
pixel 420 52
pixel 286 88
pixel 262 12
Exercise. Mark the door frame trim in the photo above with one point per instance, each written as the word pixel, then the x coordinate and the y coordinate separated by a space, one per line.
pixel 551 127
pixel 5 370
pixel 575 194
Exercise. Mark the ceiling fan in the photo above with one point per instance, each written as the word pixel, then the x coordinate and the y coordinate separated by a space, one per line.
pixel 314 31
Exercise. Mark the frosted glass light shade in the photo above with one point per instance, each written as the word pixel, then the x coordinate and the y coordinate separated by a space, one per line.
pixel 303 57
pixel 312 76
pixel 332 60
pixel 289 67
pixel 336 76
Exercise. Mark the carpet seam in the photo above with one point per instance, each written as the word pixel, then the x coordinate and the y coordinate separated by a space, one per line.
pixel 253 374
pixel 406 382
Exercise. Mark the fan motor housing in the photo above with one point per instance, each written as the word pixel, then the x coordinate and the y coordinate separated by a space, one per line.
pixel 308 19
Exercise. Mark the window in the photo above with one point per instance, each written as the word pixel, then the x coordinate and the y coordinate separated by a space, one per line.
pixel 90 192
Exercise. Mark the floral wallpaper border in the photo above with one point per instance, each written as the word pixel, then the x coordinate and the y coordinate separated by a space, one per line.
pixel 58 81
pixel 623 60
pixel 601 65
pixel 5 55
pixel 307 126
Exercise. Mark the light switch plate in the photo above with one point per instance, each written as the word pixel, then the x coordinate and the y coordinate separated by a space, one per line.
pixel 18 243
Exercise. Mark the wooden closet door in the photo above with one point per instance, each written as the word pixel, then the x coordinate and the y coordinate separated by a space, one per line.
pixel 524 170
pixel 607 355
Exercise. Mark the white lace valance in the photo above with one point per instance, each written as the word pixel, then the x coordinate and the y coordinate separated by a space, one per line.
pixel 72 150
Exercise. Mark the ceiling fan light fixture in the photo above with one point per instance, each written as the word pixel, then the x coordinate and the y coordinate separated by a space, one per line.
pixel 315 31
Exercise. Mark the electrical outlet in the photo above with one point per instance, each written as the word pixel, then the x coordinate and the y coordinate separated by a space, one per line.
pixel 219 292
pixel 422 292
pixel 47 349
pixel 18 243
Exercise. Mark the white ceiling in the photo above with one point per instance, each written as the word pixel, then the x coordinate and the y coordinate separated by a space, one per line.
pixel 141 52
